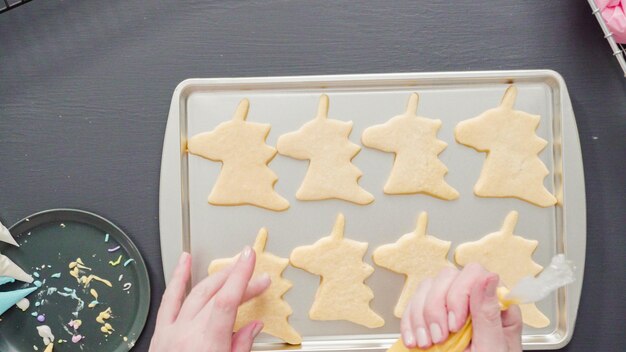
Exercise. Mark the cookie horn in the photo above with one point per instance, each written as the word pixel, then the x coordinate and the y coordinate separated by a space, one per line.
pixel 261 241
pixel 411 106
pixel 322 107
pixel 242 110
pixel 508 100
pixel 510 222
pixel 422 224
pixel 339 227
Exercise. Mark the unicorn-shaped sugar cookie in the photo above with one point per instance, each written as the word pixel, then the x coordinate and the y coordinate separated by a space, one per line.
pixel 512 167
pixel 245 177
pixel 413 139
pixel 324 142
pixel 342 294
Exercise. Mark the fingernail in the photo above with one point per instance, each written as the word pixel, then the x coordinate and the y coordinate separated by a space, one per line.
pixel 257 329
pixel 451 321
pixel 490 287
pixel 247 252
pixel 265 277
pixel 409 340
pixel 435 332
pixel 183 258
pixel 422 338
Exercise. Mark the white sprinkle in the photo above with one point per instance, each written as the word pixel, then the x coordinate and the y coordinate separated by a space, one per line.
pixel 120 278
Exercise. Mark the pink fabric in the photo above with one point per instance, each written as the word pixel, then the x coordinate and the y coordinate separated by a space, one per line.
pixel 614 14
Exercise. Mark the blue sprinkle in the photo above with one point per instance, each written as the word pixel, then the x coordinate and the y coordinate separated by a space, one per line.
pixel 37 283
pixel 67 289
pixel 34 314
pixel 56 275
pixel 37 304
pixel 94 303
pixel 129 261
pixel 106 237
pixel 36 274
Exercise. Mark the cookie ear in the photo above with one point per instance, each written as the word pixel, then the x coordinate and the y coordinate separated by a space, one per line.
pixel 508 100
pixel 241 113
pixel 322 107
pixel 411 106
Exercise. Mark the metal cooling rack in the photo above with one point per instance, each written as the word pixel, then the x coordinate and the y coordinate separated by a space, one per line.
pixel 619 50
pixel 6 5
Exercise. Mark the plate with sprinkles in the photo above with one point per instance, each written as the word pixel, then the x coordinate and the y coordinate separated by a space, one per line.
pixel 92 287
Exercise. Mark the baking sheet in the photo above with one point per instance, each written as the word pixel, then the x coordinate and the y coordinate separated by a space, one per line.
pixel 208 232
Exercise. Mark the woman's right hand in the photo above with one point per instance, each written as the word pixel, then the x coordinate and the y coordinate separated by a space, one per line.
pixel 442 305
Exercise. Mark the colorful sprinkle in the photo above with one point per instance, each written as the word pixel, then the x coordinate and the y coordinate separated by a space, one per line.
pixel 106 237
pixel 107 329
pixel 51 290
pixel 111 250
pixel 56 275
pixel 41 318
pixel 77 338
pixel 126 263
pixel 35 314
pixel 116 262
pixel 75 323
pixel 37 283
pixel 36 274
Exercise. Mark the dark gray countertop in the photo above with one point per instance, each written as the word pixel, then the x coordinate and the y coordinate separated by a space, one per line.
pixel 85 88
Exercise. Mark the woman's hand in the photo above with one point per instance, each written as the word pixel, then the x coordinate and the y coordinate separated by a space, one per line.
pixel 443 304
pixel 204 320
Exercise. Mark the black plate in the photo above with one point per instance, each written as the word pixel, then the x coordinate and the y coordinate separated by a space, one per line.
pixel 53 239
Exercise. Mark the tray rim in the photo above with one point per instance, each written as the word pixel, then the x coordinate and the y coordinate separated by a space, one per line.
pixel 171 199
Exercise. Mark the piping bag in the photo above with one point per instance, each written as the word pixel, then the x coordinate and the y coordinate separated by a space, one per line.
pixel 527 290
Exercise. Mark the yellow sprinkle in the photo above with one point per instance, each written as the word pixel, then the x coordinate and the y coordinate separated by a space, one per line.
pixel 86 280
pixel 77 323
pixel 117 262
pixel 107 329
pixel 49 347
pixel 125 338
pixel 104 315
pixel 74 272
pixel 94 293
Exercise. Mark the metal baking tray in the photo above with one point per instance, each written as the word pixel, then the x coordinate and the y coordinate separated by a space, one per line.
pixel 188 222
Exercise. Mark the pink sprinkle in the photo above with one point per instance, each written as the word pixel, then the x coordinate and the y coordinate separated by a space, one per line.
pixel 111 250
pixel 77 338
pixel 41 318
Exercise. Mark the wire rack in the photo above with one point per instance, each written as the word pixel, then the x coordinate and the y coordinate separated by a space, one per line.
pixel 619 51
pixel 6 5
